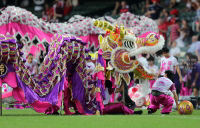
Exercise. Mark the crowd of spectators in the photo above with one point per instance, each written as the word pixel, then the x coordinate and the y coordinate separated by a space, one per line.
pixel 180 31
pixel 52 10
pixel 59 9
pixel 122 7
pixel 177 32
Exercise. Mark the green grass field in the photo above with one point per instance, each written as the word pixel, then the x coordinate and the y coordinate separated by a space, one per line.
pixel 28 118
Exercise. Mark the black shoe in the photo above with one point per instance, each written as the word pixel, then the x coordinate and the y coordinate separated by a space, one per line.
pixel 77 113
pixel 150 111
pixel 138 112
pixel 132 106
pixel 165 113
pixel 55 113
pixel 119 98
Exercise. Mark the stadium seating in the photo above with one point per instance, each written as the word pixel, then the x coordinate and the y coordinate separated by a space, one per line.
pixel 91 8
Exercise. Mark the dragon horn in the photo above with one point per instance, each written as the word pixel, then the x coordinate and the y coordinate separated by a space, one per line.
pixel 122 32
pixel 104 25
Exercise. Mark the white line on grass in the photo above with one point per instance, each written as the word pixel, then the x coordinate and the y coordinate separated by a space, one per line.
pixel 179 116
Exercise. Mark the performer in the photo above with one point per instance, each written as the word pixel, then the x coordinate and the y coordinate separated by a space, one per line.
pixel 153 68
pixel 169 62
pixel 116 108
pixel 128 102
pixel 69 101
pixel 159 94
pixel 32 65
pixel 98 79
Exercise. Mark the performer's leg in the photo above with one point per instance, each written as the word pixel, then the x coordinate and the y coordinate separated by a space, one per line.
pixel 118 108
pixel 52 110
pixel 167 102
pixel 112 99
pixel 128 102
pixel 66 102
pixel 154 105
pixel 79 107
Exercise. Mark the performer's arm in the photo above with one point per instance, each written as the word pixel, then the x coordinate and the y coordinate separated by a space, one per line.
pixel 159 71
pixel 173 90
pixel 176 98
pixel 35 66
pixel 121 88
pixel 179 73
pixel 195 79
pixel 196 75
pixel 36 69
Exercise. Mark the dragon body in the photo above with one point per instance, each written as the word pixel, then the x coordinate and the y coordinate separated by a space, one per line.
pixel 65 51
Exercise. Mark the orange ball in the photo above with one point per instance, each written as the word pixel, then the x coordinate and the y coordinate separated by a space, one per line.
pixel 185 108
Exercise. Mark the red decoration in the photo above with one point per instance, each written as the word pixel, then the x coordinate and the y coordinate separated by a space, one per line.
pixel 107 33
pixel 120 43
pixel 134 90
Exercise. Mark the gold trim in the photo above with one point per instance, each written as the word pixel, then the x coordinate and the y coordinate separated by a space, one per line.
pixel 97 89
pixel 99 68
pixel 97 112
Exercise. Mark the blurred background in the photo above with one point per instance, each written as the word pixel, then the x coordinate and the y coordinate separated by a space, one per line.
pixel 64 9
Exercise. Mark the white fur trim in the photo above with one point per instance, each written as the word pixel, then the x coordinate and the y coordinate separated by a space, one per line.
pixel 147 70
pixel 145 87
pixel 149 49
pixel 130 38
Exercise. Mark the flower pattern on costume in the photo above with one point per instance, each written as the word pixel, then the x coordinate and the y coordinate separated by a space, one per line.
pixel 6 88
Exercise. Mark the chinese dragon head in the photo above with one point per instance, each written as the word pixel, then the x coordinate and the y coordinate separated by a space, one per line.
pixel 121 47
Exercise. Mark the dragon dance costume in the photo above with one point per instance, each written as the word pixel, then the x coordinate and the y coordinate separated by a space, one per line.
pixel 64 66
